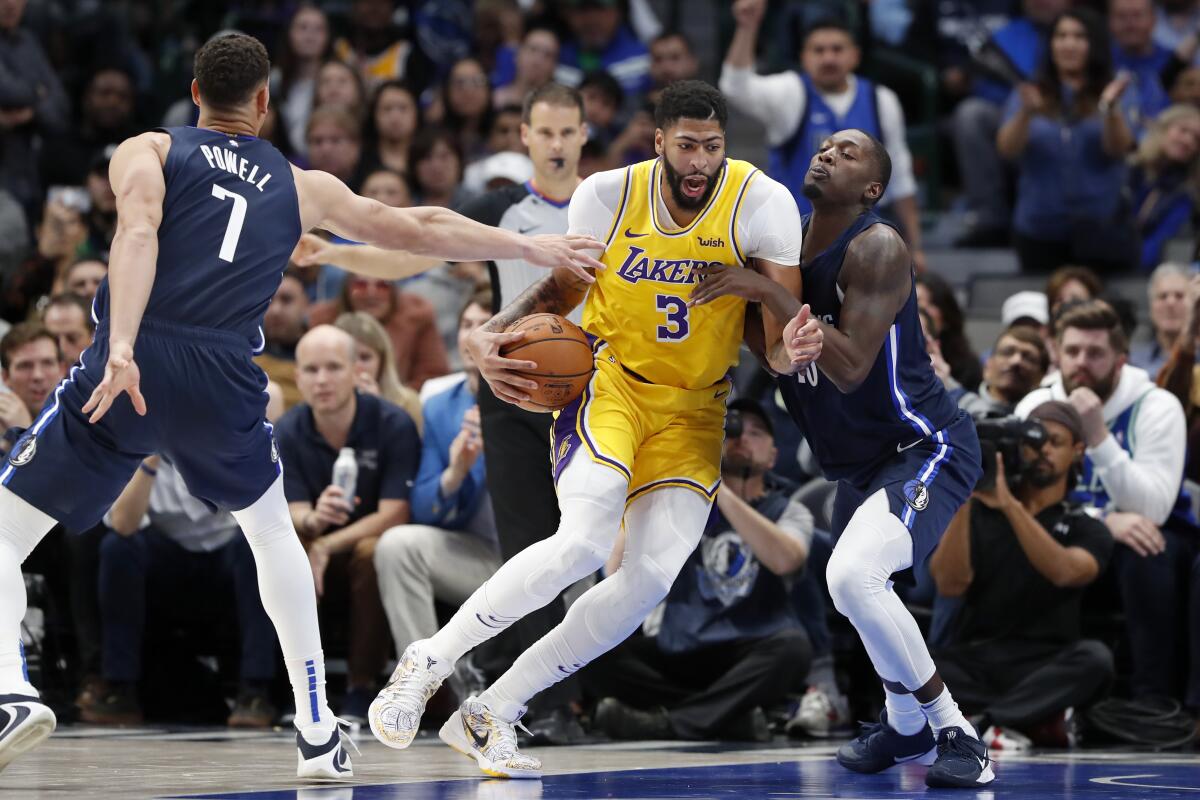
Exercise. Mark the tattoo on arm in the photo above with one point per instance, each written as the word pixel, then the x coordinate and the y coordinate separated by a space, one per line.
pixel 557 293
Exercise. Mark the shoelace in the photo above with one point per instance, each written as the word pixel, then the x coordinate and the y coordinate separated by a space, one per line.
pixel 958 745
pixel 344 729
pixel 413 689
pixel 866 729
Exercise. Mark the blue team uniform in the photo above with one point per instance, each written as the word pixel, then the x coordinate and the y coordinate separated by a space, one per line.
pixel 898 431
pixel 230 221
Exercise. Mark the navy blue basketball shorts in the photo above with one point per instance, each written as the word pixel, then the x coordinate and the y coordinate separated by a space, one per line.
pixel 206 402
pixel 926 484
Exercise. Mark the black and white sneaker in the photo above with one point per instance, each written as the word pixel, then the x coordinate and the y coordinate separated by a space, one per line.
pixel 962 762
pixel 325 759
pixel 26 723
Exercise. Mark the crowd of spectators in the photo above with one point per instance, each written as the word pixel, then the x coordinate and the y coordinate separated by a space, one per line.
pixel 1071 134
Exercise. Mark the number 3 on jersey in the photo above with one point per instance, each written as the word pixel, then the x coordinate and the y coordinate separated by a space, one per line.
pixel 676 329
pixel 236 218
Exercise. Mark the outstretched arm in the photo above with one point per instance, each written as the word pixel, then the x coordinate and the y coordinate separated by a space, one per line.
pixel 440 233
pixel 364 259
pixel 876 279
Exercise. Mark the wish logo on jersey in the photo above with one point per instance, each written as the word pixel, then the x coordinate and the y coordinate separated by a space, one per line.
pixel 641 267
pixel 730 568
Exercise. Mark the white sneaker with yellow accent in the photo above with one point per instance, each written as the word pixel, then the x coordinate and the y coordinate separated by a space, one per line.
pixel 476 732
pixel 396 712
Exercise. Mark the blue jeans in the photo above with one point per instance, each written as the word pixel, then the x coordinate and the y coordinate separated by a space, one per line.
pixel 148 569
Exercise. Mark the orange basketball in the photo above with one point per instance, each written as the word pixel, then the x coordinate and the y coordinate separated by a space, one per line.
pixel 562 354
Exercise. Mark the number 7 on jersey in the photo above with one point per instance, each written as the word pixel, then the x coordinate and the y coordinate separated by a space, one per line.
pixel 237 217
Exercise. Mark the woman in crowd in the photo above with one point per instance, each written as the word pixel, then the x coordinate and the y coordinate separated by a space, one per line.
pixel 435 168
pixel 408 319
pixel 394 119
pixel 294 78
pixel 1070 283
pixel 335 144
pixel 1069 137
pixel 375 363
pixel 467 106
pixel 339 85
pixel 1165 180
pixel 936 298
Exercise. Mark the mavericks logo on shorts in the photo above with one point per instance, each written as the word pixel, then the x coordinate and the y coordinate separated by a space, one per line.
pixel 274 451
pixel 916 494
pixel 24 452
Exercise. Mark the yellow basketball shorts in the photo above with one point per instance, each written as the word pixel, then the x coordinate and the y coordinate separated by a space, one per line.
pixel 656 436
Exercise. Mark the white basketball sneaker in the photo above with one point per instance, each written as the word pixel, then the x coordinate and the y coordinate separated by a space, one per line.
pixel 26 723
pixel 321 752
pixel 476 732
pixel 395 714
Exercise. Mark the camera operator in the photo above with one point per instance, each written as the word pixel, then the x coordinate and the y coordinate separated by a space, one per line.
pixel 1131 478
pixel 1022 555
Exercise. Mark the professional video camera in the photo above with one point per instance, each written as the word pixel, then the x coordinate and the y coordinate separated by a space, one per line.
pixel 1006 435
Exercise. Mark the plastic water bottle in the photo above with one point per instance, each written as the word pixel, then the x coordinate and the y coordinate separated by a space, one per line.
pixel 345 475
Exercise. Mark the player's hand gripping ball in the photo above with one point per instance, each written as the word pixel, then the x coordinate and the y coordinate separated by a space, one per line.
pixel 562 354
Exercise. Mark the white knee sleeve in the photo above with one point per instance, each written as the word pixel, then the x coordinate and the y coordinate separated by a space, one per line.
pixel 875 545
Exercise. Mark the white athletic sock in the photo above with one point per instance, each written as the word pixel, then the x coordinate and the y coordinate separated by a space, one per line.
pixel 21 527
pixel 942 712
pixel 904 714
pixel 285 584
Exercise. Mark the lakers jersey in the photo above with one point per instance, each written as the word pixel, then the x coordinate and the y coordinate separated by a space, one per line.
pixel 638 305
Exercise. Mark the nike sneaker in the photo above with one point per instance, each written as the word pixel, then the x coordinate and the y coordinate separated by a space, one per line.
pixel 879 746
pixel 26 723
pixel 476 732
pixel 321 753
pixel 962 762
pixel 396 712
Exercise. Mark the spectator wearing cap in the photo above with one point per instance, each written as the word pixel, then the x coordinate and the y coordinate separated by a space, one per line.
pixel 1015 368
pixel 496 172
pixel 1171 301
pixel 1132 475
pixel 1020 555
pixel 601 39
pixel 801 108
pixel 729 641
pixel 35 106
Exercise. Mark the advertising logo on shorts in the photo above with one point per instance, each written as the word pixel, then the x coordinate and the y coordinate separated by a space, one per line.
pixel 24 452
pixel 916 494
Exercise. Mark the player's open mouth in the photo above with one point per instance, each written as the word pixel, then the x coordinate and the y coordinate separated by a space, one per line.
pixel 694 185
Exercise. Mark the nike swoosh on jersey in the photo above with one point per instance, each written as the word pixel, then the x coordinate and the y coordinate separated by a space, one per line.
pixel 524 231
pixel 900 449
pixel 629 234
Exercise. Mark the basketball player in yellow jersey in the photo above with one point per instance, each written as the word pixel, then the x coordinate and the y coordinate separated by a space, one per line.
pixel 643 443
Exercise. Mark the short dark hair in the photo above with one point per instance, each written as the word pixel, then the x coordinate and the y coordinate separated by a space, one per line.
pixel 482 297
pixel 674 34
pixel 553 94
pixel 422 145
pixel 828 24
pixel 22 334
pixel 1071 272
pixel 1027 334
pixel 230 68
pixel 1093 315
pixel 882 160
pixel 606 84
pixel 72 300
pixel 690 99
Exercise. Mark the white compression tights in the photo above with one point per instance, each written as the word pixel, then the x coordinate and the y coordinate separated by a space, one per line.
pixel 874 545
pixel 21 527
pixel 285 583
pixel 592 499
pixel 662 529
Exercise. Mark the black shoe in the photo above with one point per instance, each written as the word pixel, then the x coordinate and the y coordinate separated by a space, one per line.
pixel 118 705
pixel 252 710
pixel 554 728
pixel 962 762
pixel 879 746
pixel 749 727
pixel 621 721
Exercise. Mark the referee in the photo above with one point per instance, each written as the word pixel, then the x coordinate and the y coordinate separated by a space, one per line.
pixel 516 443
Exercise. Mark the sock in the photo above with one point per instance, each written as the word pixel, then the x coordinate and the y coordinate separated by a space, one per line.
pixel 821 675
pixel 904 714
pixel 285 584
pixel 942 712
pixel 21 527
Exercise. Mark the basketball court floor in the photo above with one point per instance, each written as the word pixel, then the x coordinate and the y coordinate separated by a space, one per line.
pixel 79 762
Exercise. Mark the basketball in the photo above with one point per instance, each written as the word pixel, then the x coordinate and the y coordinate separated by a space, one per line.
pixel 562 354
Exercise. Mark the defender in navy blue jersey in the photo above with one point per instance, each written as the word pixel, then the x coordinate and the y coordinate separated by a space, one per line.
pixel 207 218
pixel 880 424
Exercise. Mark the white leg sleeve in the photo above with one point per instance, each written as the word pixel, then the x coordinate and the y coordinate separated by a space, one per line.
pixel 21 527
pixel 592 499
pixel 662 529
pixel 285 583
pixel 874 545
